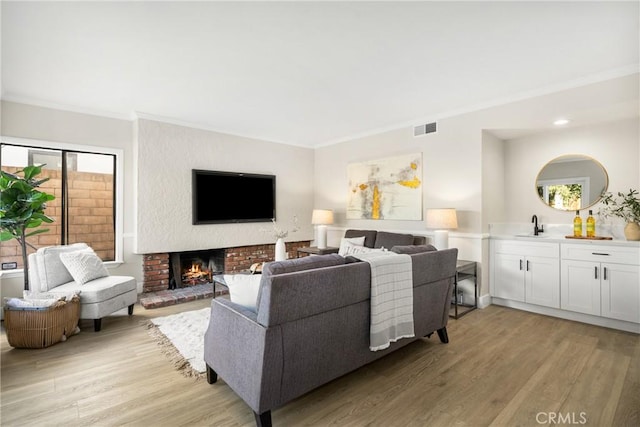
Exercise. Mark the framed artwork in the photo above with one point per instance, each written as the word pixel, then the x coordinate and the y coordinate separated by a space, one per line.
pixel 389 188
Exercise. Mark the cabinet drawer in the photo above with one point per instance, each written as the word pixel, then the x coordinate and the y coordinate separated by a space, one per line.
pixel 598 253
pixel 548 250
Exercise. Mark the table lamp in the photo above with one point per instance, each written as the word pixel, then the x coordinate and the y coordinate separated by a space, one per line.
pixel 320 218
pixel 441 221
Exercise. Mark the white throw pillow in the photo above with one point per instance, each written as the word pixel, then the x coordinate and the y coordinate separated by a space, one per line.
pixel 84 266
pixel 355 250
pixel 243 289
pixel 347 244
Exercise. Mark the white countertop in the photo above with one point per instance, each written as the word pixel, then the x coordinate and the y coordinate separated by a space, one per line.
pixel 561 239
pixel 555 233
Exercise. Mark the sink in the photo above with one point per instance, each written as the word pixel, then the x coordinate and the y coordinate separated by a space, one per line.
pixel 539 236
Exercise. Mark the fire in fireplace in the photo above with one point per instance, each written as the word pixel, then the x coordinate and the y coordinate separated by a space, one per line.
pixel 196 274
pixel 195 267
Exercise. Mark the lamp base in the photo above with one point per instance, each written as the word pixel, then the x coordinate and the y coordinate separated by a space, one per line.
pixel 322 236
pixel 441 239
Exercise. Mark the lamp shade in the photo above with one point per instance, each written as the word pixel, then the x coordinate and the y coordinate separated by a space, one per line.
pixel 442 219
pixel 322 217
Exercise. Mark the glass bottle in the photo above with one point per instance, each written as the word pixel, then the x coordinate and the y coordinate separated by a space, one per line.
pixel 577 225
pixel 591 225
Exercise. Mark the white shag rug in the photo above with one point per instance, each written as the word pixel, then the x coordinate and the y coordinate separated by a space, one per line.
pixel 182 338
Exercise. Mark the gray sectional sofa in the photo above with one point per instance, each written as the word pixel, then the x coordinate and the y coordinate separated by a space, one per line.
pixel 312 325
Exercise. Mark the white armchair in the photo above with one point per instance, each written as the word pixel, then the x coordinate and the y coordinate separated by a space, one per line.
pixel 76 268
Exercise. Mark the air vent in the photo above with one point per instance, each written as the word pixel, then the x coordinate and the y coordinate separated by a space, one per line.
pixel 425 129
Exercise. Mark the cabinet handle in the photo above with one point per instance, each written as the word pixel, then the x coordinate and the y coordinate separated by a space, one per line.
pixel 520 265
pixel 527 265
pixel 605 273
pixel 595 270
pixel 599 253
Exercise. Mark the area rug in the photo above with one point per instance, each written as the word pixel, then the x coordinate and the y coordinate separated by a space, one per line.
pixel 181 337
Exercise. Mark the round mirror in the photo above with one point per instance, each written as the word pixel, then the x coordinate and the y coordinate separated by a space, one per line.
pixel 571 182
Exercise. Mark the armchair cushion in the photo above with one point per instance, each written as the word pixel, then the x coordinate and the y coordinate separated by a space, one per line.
pixel 301 264
pixel 84 265
pixel 101 289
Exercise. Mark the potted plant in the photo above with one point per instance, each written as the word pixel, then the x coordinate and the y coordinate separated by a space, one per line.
pixel 625 206
pixel 22 208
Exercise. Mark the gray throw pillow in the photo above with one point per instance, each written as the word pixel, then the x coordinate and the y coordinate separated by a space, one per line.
pixel 413 249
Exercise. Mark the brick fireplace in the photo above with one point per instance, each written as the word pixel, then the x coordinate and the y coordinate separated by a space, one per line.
pixel 158 269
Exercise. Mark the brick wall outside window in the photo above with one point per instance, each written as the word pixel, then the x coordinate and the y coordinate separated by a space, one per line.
pixel 91 217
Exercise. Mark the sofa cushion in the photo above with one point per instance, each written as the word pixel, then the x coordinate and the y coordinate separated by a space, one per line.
pixel 369 236
pixel 389 240
pixel 83 265
pixel 301 264
pixel 98 290
pixel 413 249
pixel 51 270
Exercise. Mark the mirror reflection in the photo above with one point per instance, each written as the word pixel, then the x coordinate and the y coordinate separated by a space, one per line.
pixel 571 182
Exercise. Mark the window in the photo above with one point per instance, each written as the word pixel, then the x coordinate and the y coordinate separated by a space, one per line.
pixel 565 194
pixel 85 187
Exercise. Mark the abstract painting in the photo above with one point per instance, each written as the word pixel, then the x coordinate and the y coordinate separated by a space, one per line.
pixel 388 188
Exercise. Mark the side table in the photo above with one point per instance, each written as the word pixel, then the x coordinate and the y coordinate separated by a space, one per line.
pixel 464 270
pixel 313 250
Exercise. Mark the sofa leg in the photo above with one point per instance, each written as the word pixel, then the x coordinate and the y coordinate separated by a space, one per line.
pixel 212 376
pixel 263 420
pixel 130 309
pixel 442 333
pixel 97 324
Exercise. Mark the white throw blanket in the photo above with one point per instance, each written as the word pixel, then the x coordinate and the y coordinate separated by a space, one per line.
pixel 391 298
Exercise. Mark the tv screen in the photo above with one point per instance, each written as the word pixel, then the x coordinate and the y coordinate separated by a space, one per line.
pixel 222 197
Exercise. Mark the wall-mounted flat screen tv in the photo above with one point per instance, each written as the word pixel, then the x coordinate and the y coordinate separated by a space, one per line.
pixel 224 197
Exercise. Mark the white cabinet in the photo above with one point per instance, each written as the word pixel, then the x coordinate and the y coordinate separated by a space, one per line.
pixel 580 288
pixel 601 280
pixel 526 271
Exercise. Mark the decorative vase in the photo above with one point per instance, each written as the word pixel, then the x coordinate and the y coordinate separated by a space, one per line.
pixel 281 250
pixel 632 231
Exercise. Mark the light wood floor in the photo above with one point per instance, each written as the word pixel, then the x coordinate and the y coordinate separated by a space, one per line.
pixel 502 367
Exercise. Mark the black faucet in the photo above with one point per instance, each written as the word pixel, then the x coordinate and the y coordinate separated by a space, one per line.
pixel 536 230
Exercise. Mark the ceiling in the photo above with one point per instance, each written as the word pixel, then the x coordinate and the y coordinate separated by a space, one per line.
pixel 306 73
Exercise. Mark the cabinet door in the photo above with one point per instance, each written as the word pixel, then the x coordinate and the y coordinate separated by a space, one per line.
pixel 509 277
pixel 620 292
pixel 542 281
pixel 580 286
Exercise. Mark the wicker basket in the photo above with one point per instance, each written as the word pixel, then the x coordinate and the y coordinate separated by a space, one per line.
pixel 42 328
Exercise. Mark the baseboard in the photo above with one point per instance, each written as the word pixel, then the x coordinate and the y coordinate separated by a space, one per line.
pixel 484 301
pixel 569 315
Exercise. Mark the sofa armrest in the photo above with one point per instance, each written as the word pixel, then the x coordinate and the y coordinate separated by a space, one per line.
pixel 245 354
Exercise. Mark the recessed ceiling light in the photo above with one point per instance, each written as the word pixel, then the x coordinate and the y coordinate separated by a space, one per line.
pixel 561 122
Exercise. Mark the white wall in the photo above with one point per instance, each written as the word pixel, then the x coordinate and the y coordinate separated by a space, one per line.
pixel 464 166
pixel 166 154
pixel 615 145
pixel 493 180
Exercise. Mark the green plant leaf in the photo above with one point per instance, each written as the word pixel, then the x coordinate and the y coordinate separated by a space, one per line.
pixel 31 171
pixel 5 235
